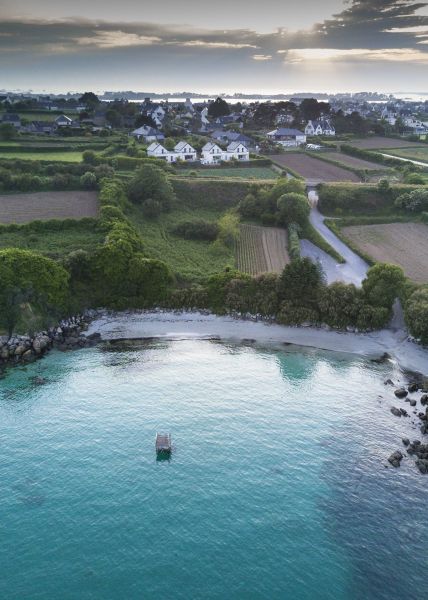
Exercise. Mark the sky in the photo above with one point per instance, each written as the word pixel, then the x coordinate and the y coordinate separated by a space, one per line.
pixel 214 46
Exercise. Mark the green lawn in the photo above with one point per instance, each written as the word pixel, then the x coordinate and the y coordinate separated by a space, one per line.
pixel 233 172
pixel 410 153
pixel 54 244
pixel 65 156
pixel 188 259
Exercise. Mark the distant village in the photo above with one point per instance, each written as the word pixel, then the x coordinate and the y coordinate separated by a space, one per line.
pixel 215 131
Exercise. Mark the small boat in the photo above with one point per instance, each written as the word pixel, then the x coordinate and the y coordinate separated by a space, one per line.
pixel 163 444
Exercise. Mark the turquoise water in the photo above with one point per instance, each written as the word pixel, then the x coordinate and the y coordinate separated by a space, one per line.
pixel 276 488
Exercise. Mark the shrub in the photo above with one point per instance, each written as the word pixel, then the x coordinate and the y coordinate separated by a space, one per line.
pixel 88 181
pixel 228 229
pixel 383 284
pixel 416 314
pixel 150 182
pixel 293 208
pixel 293 241
pixel 197 230
pixel 89 157
pixel 151 208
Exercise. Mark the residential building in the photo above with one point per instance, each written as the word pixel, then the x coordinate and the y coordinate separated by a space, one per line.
pixel 320 127
pixel 211 154
pixel 148 134
pixel 236 151
pixel 184 151
pixel 156 150
pixel 287 137
pixel 12 119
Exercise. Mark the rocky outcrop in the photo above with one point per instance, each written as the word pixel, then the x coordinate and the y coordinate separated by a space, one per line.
pixel 67 335
pixel 401 393
pixel 395 458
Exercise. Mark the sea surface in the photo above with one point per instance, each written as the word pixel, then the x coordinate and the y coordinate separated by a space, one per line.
pixel 277 487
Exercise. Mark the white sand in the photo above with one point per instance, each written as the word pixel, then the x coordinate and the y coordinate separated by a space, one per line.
pixel 172 325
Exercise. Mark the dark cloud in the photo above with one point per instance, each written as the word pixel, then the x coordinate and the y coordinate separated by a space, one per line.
pixel 384 30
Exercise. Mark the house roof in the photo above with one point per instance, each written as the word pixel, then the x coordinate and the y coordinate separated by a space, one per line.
pixel 209 146
pixel 153 146
pixel 11 118
pixel 182 145
pixel 284 131
pixel 235 145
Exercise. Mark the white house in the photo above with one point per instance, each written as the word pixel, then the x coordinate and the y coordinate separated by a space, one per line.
pixel 156 150
pixel 287 137
pixel 184 151
pixel 321 127
pixel 211 154
pixel 236 151
pixel 63 121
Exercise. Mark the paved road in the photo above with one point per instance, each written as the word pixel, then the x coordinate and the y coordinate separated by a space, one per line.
pixel 354 270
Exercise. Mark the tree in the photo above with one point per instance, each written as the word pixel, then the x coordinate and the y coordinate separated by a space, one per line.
pixel 293 208
pixel 90 100
pixel 114 118
pixel 218 108
pixel 301 283
pixel 7 131
pixel 151 182
pixel 89 157
pixel 311 109
pixel 89 181
pixel 29 277
pixel 384 283
pixel 416 314
pixel 142 120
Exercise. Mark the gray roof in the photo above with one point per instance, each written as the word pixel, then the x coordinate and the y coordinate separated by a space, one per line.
pixel 284 131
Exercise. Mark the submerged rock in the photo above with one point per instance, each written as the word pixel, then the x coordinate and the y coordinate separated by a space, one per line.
pixel 406 441
pixel 396 411
pixel 395 458
pixel 401 393
pixel 413 387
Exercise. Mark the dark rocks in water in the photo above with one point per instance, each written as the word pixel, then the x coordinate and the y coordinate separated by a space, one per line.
pixel 395 458
pixel 404 412
pixel 422 465
pixel 424 400
pixel 401 393
pixel 406 441
pixel 388 382
pixel 413 387
pixel 396 411
pixel 94 337
pixel 412 402
pixel 37 380
pixel 379 361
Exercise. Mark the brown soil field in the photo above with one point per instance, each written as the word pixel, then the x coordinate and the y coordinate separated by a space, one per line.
pixel 312 169
pixel 352 161
pixel 402 244
pixel 376 142
pixel 262 250
pixel 22 208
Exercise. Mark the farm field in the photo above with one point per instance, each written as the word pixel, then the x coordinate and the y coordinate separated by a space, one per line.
pixel 261 250
pixel 235 172
pixel 61 156
pixel 312 169
pixel 352 161
pixel 378 142
pixel 417 153
pixel 54 243
pixel 403 244
pixel 190 260
pixel 22 208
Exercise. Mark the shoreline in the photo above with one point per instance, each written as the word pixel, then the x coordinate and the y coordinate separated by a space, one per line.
pixel 134 325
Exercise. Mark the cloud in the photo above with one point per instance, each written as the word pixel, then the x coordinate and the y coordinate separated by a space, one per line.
pixel 262 57
pixel 312 55
pixel 117 39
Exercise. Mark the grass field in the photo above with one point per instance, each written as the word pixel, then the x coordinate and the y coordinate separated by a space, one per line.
pixel 378 142
pixel 352 161
pixel 312 169
pixel 261 250
pixel 402 244
pixel 22 208
pixel 417 153
pixel 236 172
pixel 190 260
pixel 69 156
pixel 53 243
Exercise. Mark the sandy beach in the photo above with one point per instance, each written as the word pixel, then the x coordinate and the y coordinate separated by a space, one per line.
pixel 174 325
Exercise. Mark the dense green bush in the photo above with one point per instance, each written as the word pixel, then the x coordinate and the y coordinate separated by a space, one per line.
pixel 151 182
pixel 293 208
pixel 415 201
pixel 27 277
pixel 199 229
pixel 383 284
pixel 416 314
pixel 293 241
